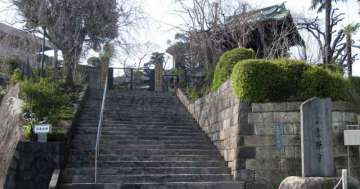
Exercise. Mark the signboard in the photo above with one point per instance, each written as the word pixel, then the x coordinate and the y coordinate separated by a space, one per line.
pixel 42 129
pixel 278 142
pixel 352 137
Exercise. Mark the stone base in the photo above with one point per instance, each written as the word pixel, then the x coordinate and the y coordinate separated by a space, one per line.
pixel 315 183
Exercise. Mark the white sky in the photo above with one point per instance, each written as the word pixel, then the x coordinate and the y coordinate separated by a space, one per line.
pixel 163 20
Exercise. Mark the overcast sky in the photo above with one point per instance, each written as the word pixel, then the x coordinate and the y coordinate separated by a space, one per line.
pixel 163 20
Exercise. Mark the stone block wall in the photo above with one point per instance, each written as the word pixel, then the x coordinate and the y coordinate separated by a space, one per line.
pixel 224 119
pixel 10 132
pixel 262 141
pixel 33 165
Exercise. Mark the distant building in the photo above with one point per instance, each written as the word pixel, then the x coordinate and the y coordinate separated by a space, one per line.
pixel 21 44
pixel 270 32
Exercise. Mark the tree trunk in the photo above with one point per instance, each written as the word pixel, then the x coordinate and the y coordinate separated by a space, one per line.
pixel 328 32
pixel 349 53
pixel 70 61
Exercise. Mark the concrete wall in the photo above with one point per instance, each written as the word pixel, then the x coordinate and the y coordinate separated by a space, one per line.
pixel 33 165
pixel 10 132
pixel 261 142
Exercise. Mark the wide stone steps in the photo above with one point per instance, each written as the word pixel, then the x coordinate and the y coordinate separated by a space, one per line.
pixel 171 185
pixel 147 152
pixel 147 158
pixel 75 164
pixel 82 141
pixel 148 141
pixel 149 146
pixel 146 170
pixel 155 178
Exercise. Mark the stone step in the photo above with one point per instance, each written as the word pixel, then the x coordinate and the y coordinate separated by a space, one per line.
pixel 143 137
pixel 95 123
pixel 139 128
pixel 81 141
pixel 140 133
pixel 173 185
pixel 123 164
pixel 155 178
pixel 147 158
pixel 146 170
pixel 147 146
pixel 147 152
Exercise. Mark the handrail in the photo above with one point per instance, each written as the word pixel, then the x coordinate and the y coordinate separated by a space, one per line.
pixel 97 145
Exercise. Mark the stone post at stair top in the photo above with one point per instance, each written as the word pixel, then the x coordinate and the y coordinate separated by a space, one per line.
pixel 104 69
pixel 158 77
pixel 316 138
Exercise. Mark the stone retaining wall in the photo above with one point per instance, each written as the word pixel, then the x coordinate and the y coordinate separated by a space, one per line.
pixel 261 142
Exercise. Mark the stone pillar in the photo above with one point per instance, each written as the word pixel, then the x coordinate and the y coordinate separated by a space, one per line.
pixel 104 69
pixel 158 77
pixel 316 138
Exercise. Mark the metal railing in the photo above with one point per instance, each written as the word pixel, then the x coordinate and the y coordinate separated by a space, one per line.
pixel 98 136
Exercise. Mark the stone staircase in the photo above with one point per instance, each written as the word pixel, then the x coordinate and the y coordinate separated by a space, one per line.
pixel 149 141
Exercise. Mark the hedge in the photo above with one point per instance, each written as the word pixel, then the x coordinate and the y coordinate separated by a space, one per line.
pixel 286 80
pixel 258 81
pixel 226 64
pixel 318 82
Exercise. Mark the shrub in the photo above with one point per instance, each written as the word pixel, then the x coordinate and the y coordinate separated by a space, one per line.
pixel 318 82
pixel 294 70
pixel 227 62
pixel 16 76
pixel 192 94
pixel 46 101
pixel 258 81
pixel 355 84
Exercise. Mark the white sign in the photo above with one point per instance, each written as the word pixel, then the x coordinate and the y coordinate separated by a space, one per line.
pixel 352 137
pixel 41 129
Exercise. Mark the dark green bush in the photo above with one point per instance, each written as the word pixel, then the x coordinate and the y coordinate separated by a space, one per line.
pixel 258 81
pixel 318 82
pixel 192 94
pixel 355 84
pixel 46 101
pixel 293 70
pixel 227 62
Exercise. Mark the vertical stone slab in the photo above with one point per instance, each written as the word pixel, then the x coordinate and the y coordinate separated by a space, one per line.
pixel 316 138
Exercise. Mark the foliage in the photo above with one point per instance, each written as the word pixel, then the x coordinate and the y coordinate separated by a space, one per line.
pixel 286 80
pixel 355 84
pixel 57 134
pixel 95 22
pixel 16 76
pixel 293 70
pixel 46 101
pixel 318 82
pixel 94 61
pixel 192 94
pixel 8 65
pixel 2 93
pixel 258 81
pixel 227 62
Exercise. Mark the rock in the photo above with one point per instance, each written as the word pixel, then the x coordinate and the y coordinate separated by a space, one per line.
pixel 10 132
pixel 315 183
pixel 4 79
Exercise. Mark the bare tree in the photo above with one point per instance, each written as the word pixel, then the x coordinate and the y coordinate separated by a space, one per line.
pixel 70 25
pixel 337 45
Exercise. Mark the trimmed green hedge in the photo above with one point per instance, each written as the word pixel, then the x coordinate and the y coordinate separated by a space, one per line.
pixel 321 83
pixel 258 80
pixel 226 64
pixel 286 80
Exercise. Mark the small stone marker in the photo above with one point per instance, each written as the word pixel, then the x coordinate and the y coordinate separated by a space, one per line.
pixel 42 132
pixel 316 138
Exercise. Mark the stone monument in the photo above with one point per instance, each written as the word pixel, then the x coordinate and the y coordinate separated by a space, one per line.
pixel 316 138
